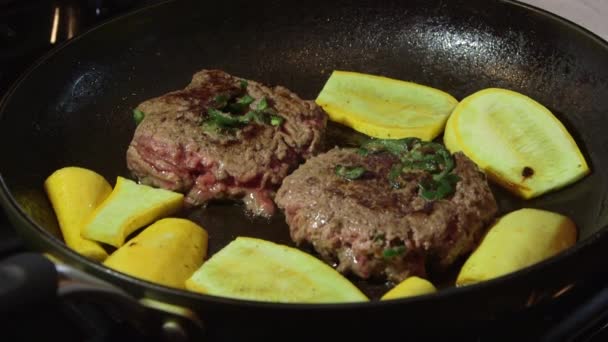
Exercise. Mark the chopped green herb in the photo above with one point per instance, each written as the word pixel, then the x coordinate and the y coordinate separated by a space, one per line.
pixel 452 178
pixel 362 152
pixel 255 116
pixel 276 120
pixel 448 163
pixel 221 100
pixel 243 84
pixel 393 252
pixel 424 165
pixel 212 127
pixel 245 100
pixel 394 174
pixel 349 172
pixel 396 146
pixel 226 120
pixel 262 105
pixel 233 112
pixel 138 116
pixel 417 155
pixel 240 105
pixel 434 190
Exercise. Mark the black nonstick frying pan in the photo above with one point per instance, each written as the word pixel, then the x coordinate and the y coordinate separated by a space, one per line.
pixel 74 108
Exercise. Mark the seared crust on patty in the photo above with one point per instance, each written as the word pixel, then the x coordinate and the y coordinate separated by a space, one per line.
pixel 171 149
pixel 373 229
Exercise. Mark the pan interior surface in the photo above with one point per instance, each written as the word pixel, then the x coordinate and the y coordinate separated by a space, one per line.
pixel 75 107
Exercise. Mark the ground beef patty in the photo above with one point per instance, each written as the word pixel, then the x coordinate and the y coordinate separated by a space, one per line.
pixel 178 147
pixel 370 228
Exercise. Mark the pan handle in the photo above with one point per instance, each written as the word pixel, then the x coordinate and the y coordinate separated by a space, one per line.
pixel 583 322
pixel 26 279
pixel 30 279
pixel 148 316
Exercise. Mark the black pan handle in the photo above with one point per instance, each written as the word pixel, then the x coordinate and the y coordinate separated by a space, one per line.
pixel 26 279
pixel 583 322
pixel 29 280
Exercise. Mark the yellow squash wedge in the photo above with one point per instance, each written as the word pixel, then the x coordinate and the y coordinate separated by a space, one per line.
pixel 385 108
pixel 167 252
pixel 254 269
pixel 74 193
pixel 518 142
pixel 129 207
pixel 412 286
pixel 517 240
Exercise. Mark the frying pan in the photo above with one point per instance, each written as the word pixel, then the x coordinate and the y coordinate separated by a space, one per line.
pixel 74 108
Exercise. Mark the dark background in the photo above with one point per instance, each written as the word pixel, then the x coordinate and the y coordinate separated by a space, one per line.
pixel 26 32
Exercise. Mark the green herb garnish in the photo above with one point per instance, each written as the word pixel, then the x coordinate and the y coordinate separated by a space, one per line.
pixel 245 100
pixel 225 119
pixel 243 84
pixel 240 104
pixel 393 252
pixel 396 147
pixel 138 116
pixel 434 190
pixel 276 120
pixel 416 155
pixel 349 172
pixel 211 127
pixel 393 175
pixel 221 100
pixel 258 117
pixel 262 105
pixel 235 112
pixel 362 152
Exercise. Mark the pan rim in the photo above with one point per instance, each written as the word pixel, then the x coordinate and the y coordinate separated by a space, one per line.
pixel 9 203
pixel 67 253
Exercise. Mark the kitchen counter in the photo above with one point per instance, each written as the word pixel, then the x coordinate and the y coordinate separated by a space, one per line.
pixel 590 14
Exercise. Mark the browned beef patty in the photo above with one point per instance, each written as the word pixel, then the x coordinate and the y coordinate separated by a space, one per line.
pixel 175 148
pixel 372 229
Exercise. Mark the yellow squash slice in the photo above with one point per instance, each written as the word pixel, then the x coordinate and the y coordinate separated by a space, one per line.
pixel 412 286
pixel 519 239
pixel 385 108
pixel 518 142
pixel 129 207
pixel 254 269
pixel 167 252
pixel 74 193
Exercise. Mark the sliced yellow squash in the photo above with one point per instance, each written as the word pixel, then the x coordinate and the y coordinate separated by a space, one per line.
pixel 167 252
pixel 412 286
pixel 74 193
pixel 254 269
pixel 129 207
pixel 517 240
pixel 385 108
pixel 518 142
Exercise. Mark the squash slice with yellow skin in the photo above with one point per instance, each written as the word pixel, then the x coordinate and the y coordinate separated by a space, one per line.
pixel 74 193
pixel 410 287
pixel 518 142
pixel 259 270
pixel 385 108
pixel 129 207
pixel 167 252
pixel 517 240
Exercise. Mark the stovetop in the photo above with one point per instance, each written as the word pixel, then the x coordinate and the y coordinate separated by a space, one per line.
pixel 30 28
